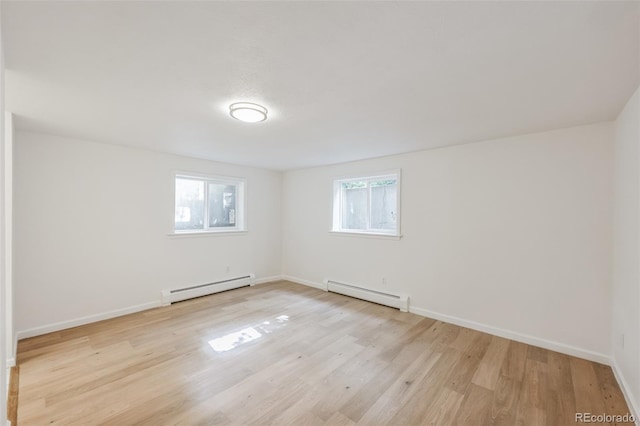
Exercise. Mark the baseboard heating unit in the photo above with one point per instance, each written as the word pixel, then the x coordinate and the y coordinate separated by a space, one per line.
pixel 399 301
pixel 180 294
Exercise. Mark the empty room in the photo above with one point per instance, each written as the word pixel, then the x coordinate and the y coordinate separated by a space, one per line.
pixel 320 213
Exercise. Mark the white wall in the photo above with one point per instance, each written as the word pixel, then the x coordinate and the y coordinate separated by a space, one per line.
pixel 512 236
pixel 91 223
pixel 3 300
pixel 8 237
pixel 626 253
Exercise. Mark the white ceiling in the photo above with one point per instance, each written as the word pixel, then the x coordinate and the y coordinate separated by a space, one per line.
pixel 342 80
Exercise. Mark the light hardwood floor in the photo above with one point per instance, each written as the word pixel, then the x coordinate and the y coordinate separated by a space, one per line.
pixel 308 357
pixel 12 396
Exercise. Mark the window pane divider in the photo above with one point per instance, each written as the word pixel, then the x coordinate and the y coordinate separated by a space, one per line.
pixel 389 212
pixel 238 205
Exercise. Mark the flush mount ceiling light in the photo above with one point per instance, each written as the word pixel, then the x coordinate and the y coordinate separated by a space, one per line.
pixel 248 112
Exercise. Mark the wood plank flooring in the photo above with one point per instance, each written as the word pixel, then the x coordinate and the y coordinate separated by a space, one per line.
pixel 12 395
pixel 283 353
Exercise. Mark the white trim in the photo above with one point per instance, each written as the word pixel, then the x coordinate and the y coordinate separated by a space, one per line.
pixel 336 211
pixel 8 237
pixel 15 348
pixel 305 282
pixel 507 334
pixel 365 235
pixel 632 402
pixel 267 280
pixel 191 291
pixel 393 300
pixel 189 234
pixel 207 176
pixel 241 202
pixel 62 325
pixel 365 175
pixel 514 335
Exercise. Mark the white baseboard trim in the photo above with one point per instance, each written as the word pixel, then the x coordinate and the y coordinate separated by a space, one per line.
pixel 508 334
pixel 11 362
pixel 632 402
pixel 305 282
pixel 266 280
pixel 514 335
pixel 62 325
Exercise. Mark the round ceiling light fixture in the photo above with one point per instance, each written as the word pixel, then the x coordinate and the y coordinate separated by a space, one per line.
pixel 248 112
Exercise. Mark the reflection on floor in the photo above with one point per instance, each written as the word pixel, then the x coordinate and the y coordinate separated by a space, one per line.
pixel 284 353
pixel 232 340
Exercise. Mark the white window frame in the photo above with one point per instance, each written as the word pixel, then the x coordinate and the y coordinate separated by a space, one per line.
pixel 336 223
pixel 241 204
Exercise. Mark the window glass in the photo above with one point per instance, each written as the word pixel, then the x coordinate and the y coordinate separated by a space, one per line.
pixel 189 204
pixel 354 205
pixel 369 205
pixel 383 204
pixel 213 204
pixel 222 205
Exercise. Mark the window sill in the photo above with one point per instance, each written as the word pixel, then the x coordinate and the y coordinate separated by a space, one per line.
pixel 205 234
pixel 366 235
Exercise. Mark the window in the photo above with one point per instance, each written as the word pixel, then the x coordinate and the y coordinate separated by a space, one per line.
pixel 367 205
pixel 208 204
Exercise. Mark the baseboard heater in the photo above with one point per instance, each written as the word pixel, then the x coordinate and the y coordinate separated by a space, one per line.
pixel 180 294
pixel 399 301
